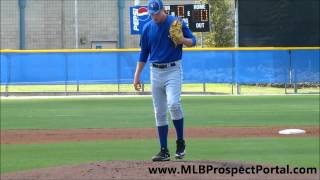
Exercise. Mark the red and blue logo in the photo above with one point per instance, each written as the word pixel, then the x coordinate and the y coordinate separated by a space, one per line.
pixel 143 14
pixel 139 16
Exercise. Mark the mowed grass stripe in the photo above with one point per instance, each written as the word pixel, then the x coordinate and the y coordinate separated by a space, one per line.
pixel 301 152
pixel 137 112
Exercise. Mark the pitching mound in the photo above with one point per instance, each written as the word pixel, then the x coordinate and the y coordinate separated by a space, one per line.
pixel 140 170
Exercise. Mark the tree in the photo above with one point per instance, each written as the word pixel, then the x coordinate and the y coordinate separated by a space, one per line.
pixel 221 24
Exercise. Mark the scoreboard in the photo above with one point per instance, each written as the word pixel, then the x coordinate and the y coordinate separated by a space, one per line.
pixel 196 16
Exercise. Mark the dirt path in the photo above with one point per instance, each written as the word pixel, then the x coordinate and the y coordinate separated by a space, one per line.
pixel 139 170
pixel 74 135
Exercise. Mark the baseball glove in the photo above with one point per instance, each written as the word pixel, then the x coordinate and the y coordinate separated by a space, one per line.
pixel 175 31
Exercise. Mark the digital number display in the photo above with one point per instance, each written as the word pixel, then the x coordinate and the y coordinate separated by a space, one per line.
pixel 195 15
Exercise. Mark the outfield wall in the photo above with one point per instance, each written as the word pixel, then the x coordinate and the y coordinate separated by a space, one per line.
pixel 205 65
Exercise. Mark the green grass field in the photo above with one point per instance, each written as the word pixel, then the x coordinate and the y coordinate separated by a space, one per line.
pixel 136 112
pixel 301 152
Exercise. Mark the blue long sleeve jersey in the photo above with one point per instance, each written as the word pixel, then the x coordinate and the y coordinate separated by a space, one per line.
pixel 155 41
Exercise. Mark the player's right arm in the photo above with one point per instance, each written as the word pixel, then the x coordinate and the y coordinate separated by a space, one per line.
pixel 144 53
pixel 136 81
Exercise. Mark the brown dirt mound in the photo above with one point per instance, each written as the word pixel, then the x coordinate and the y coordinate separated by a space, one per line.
pixel 140 170
pixel 71 135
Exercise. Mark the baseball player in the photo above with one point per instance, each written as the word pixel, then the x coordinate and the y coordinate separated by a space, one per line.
pixel 161 43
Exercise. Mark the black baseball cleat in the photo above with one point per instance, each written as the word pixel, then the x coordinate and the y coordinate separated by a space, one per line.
pixel 180 152
pixel 163 155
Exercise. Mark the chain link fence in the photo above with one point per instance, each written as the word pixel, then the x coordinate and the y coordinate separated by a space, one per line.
pixel 69 24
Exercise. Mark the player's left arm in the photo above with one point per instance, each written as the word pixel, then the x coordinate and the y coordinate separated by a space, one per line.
pixel 189 39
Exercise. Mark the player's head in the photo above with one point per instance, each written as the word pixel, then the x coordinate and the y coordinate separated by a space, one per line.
pixel 156 10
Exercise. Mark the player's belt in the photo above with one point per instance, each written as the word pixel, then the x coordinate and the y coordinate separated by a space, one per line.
pixel 162 66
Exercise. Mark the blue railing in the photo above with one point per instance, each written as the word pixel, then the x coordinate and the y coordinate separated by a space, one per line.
pixel 224 65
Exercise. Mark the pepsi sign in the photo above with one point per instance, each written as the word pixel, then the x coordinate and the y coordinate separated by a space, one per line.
pixel 139 16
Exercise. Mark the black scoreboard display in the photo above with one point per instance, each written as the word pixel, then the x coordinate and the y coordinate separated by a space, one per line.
pixel 195 15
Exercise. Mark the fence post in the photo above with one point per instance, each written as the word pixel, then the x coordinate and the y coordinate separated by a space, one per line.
pixel 236 36
pixel 7 90
pixel 65 89
pixel 238 89
pixel 295 88
pixel 121 6
pixel 285 88
pixel 290 69
pixel 232 88
pixel 204 87
pixel 76 25
pixel 78 87
pixel 22 22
